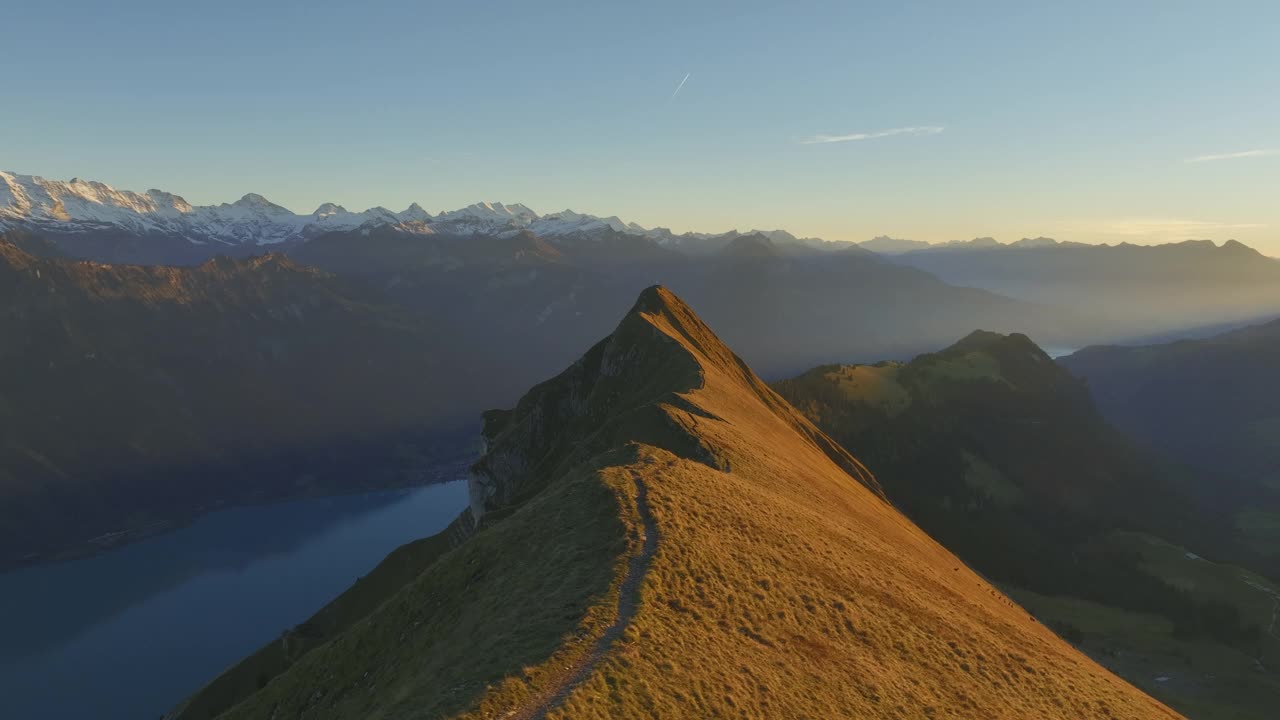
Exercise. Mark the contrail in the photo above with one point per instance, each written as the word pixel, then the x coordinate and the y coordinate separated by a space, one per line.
pixel 682 82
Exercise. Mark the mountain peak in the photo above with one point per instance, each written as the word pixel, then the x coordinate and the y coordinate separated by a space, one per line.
pixel 252 199
pixel 415 213
pixel 656 299
pixel 632 383
pixel 1239 248
pixel 1013 359
pixel 1035 242
pixel 755 245
pixel 259 204
pixel 994 343
pixel 892 245
pixel 978 339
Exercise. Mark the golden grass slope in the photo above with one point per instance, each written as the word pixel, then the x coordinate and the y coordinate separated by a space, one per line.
pixel 781 584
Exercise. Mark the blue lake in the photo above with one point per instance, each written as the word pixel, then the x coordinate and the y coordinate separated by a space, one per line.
pixel 128 634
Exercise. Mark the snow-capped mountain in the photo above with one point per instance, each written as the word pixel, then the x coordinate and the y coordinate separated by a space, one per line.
pixel 80 206
pixel 93 220
pixel 77 206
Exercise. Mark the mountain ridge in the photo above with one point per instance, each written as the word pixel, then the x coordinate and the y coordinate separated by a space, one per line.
pixel 658 538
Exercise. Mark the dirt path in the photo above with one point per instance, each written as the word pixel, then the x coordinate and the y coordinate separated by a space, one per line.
pixel 628 601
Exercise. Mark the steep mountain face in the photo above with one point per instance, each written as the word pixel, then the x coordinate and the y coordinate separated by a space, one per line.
pixel 656 533
pixel 999 453
pixel 1129 289
pixel 1214 404
pixel 139 395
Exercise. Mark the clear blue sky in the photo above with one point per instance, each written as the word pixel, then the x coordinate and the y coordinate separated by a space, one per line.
pixel 1079 121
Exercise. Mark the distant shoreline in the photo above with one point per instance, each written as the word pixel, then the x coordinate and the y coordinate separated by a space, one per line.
pixel 446 471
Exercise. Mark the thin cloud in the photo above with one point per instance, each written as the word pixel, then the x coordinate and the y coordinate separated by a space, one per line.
pixel 1263 152
pixel 855 137
pixel 679 87
pixel 1162 229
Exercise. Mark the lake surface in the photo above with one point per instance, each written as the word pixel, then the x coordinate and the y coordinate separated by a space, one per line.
pixel 128 634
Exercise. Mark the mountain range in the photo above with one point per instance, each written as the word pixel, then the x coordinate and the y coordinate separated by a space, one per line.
pixel 158 226
pixel 1082 294
pixel 1154 288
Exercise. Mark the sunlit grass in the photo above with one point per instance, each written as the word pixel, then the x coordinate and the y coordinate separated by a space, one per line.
pixel 782 585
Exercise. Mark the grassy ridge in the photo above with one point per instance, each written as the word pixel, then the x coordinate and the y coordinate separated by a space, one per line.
pixel 527 588
pixel 782 584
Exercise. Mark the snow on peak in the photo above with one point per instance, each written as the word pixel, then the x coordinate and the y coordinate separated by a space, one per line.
pixel 328 209
pixel 491 212
pixel 415 213
pixel 81 205
pixel 257 203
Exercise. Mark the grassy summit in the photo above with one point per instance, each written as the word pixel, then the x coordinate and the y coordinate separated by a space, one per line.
pixel 660 535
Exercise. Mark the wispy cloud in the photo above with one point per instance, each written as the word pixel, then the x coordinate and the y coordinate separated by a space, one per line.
pixel 855 137
pixel 1157 229
pixel 679 87
pixel 1263 152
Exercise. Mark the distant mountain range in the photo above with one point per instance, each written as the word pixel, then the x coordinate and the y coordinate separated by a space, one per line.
pixel 81 207
pixel 96 221
pixel 1146 290
pixel 1099 293
pixel 886 245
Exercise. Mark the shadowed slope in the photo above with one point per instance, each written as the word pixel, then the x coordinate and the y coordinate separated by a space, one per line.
pixel 134 397
pixel 780 583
